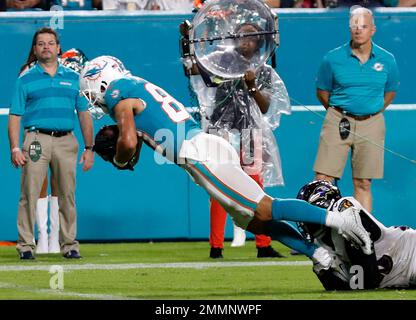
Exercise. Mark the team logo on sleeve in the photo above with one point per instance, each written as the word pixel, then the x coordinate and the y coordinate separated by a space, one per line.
pixel 378 66
pixel 344 205
pixel 115 93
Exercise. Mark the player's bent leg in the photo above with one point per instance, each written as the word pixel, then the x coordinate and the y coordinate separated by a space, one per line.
pixel 289 236
pixel 237 193
pixel 238 196
pixel 284 233
pixel 289 209
pixel 215 165
pixel 349 223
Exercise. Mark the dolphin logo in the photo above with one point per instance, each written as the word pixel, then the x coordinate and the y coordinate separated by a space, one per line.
pixel 94 71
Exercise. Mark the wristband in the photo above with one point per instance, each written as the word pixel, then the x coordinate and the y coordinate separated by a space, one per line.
pixel 118 164
pixel 15 149
pixel 89 148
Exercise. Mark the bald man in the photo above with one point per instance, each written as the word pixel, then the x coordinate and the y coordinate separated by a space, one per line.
pixel 355 83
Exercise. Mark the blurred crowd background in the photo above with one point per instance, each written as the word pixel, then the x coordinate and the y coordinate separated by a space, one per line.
pixel 184 5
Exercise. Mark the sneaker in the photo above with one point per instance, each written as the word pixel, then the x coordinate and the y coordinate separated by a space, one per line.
pixel 72 254
pixel 216 253
pixel 350 227
pixel 268 252
pixel 26 255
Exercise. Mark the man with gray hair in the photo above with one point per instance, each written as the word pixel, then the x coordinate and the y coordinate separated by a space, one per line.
pixel 355 83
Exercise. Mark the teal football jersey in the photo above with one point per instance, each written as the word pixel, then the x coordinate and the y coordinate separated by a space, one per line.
pixel 164 123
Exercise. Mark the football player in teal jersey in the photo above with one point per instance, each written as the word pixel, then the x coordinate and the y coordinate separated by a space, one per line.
pixel 146 113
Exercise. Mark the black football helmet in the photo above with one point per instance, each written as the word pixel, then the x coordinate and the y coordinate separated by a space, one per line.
pixel 320 193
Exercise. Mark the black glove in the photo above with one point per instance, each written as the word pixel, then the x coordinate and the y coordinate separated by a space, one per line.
pixel 105 146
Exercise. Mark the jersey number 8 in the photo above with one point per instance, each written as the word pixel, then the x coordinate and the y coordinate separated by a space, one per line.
pixel 173 108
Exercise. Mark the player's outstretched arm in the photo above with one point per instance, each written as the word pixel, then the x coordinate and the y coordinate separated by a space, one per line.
pixel 127 140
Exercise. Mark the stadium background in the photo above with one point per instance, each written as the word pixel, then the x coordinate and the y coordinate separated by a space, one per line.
pixel 160 202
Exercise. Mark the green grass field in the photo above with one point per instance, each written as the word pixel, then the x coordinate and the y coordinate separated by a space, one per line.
pixel 169 270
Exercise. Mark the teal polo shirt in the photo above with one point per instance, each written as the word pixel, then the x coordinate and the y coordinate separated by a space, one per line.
pixel 358 88
pixel 46 102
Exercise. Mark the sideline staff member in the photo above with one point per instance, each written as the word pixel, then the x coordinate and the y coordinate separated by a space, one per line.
pixel 45 99
pixel 355 83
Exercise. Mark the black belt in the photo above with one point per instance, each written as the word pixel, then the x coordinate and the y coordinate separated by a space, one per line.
pixel 51 132
pixel 358 118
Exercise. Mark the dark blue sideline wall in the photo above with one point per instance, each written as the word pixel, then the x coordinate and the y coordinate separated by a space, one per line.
pixel 160 202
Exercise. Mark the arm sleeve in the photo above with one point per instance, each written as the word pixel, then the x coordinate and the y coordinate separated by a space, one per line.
pixel 393 80
pixel 324 77
pixel 81 103
pixel 18 105
pixel 115 93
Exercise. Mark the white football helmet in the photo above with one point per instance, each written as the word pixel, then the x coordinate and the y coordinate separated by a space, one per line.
pixel 95 79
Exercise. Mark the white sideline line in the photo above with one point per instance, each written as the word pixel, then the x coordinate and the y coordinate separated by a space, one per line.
pixel 393 107
pixel 4 285
pixel 176 265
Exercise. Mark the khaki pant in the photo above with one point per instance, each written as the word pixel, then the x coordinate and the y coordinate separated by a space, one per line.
pixel 60 154
pixel 367 159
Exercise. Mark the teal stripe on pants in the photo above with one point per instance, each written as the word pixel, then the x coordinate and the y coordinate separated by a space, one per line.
pixel 223 188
